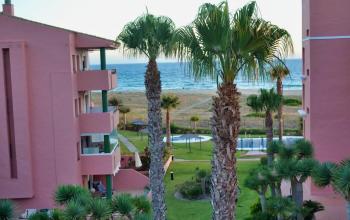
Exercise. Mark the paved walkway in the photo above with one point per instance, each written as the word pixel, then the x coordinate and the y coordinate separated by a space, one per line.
pixel 127 143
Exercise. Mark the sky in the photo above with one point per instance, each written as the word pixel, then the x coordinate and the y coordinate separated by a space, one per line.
pixel 106 18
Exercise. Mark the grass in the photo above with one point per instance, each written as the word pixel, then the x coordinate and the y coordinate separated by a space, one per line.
pixel 181 151
pixel 201 210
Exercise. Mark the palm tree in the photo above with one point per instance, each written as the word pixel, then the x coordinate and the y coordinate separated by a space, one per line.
pixel 268 101
pixel 124 110
pixel 219 45
pixel 6 209
pixel 168 103
pixel 337 175
pixel 115 101
pixel 194 119
pixel 152 36
pixel 279 72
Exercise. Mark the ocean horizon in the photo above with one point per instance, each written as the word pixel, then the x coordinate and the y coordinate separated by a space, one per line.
pixel 174 76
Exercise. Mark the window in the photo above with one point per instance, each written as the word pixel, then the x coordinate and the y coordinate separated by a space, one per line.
pixel 84 63
pixel 303 94
pixel 76 107
pixel 303 60
pixel 308 72
pixel 78 63
pixel 74 63
pixel 78 150
pixel 308 32
pixel 307 110
pixel 9 110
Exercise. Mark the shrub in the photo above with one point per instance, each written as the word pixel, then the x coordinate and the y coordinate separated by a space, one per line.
pixel 100 209
pixel 74 211
pixel 190 189
pixel 6 209
pixel 291 102
pixel 67 193
pixel 142 204
pixel 142 216
pixel 123 204
pixel 39 216
pixel 57 214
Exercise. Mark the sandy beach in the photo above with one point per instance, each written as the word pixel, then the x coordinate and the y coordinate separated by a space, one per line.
pixel 198 102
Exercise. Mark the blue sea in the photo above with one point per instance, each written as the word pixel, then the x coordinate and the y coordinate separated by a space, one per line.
pixel 175 76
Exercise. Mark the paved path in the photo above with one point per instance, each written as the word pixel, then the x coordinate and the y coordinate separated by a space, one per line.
pixel 127 143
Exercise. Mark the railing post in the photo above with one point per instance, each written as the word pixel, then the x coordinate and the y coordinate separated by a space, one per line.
pixel 106 142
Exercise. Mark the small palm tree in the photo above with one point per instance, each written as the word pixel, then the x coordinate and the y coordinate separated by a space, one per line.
pixel 6 209
pixel 168 103
pixel 67 193
pixel 152 36
pixel 124 110
pixel 123 204
pixel 220 45
pixel 194 119
pixel 336 175
pixel 258 180
pixel 74 211
pixel 100 209
pixel 268 101
pixel 279 72
pixel 142 204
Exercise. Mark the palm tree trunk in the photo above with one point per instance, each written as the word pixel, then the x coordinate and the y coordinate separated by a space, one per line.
pixel 280 109
pixel 297 195
pixel 269 134
pixel 225 123
pixel 153 91
pixel 348 210
pixel 124 121
pixel 168 134
pixel 262 198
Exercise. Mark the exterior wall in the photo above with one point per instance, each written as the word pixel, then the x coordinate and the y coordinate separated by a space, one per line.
pixel 326 34
pixel 50 90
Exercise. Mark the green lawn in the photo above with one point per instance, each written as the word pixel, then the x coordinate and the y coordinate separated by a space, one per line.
pixel 201 210
pixel 181 151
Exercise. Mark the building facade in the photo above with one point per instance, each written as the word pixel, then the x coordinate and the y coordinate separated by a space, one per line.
pixel 326 85
pixel 50 131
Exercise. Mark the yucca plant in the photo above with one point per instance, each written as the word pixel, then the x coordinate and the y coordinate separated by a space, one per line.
pixel 123 204
pixel 336 175
pixel 142 204
pixel 220 45
pixel 6 209
pixel 74 211
pixel 39 216
pixel 281 207
pixel 152 36
pixel 99 209
pixel 57 214
pixel 67 193
pixel 310 208
pixel 142 216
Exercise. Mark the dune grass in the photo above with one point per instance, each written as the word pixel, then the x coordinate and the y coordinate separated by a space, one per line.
pixel 201 210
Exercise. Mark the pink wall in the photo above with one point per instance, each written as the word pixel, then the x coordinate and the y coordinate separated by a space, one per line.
pixel 327 85
pixel 96 80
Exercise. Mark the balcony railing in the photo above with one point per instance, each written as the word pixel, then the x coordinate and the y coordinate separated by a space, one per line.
pixel 97 121
pixel 97 80
pixel 94 162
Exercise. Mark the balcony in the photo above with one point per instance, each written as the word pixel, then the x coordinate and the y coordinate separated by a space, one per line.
pixel 97 80
pixel 94 162
pixel 97 121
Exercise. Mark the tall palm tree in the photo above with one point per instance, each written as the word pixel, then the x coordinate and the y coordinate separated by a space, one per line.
pixel 219 45
pixel 168 103
pixel 336 175
pixel 268 101
pixel 152 36
pixel 279 72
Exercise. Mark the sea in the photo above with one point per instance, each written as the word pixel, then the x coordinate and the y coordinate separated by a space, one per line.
pixel 175 76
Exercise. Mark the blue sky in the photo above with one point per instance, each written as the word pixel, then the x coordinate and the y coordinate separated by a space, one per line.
pixel 106 18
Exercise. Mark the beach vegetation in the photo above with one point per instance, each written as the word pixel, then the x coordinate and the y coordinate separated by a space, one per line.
pixel 194 119
pixel 124 110
pixel 292 102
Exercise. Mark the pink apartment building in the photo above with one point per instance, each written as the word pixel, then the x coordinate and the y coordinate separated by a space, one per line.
pixel 326 86
pixel 50 132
